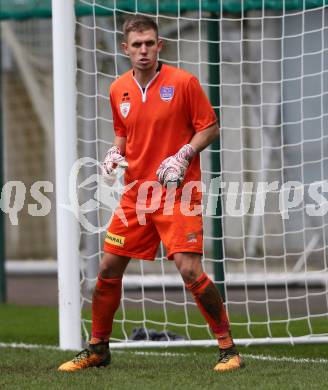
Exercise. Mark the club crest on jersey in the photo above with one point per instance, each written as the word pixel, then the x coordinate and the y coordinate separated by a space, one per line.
pixel 166 93
pixel 125 109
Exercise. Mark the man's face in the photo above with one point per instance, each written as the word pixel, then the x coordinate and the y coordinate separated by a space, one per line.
pixel 142 49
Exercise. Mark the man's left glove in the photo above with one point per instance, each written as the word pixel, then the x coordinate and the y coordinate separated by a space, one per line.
pixel 173 168
pixel 112 159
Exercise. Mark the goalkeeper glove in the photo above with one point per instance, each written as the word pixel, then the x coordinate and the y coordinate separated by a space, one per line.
pixel 173 168
pixel 112 159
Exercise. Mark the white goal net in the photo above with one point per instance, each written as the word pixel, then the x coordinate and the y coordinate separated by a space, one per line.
pixel 266 73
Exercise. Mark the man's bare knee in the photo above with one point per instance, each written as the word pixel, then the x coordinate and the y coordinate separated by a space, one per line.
pixel 189 266
pixel 113 266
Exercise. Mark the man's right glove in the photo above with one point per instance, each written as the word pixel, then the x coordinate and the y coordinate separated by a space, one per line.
pixel 112 160
pixel 173 168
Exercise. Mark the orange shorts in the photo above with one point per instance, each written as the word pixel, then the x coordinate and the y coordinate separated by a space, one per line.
pixel 133 236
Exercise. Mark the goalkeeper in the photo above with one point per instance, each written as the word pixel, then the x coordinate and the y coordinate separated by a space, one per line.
pixel 162 120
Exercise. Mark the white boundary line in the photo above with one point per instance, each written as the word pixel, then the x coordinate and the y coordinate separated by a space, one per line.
pixel 288 359
pixel 29 346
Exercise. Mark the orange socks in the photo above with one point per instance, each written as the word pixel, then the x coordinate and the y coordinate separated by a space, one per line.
pixel 107 297
pixel 105 301
pixel 210 304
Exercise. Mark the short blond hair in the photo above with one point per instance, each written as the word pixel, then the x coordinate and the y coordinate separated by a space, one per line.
pixel 139 23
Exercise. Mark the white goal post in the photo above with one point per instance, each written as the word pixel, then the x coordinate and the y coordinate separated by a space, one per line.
pixel 64 65
pixel 272 83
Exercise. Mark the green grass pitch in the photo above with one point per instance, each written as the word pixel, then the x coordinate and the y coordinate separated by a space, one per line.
pixel 268 367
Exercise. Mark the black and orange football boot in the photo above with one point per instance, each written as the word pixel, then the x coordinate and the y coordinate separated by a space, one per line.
pixel 229 360
pixel 95 355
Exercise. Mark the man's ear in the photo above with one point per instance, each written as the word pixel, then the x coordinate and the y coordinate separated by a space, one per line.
pixel 159 45
pixel 124 47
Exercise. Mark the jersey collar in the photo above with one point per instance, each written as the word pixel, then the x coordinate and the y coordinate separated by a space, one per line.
pixel 144 90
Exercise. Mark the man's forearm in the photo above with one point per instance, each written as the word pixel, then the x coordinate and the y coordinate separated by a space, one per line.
pixel 120 142
pixel 204 138
pixel 173 168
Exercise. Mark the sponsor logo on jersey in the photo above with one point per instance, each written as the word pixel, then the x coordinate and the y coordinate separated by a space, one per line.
pixel 125 109
pixel 114 239
pixel 125 97
pixel 166 93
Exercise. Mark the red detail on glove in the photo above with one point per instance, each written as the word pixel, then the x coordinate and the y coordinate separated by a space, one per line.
pixel 173 168
pixel 113 159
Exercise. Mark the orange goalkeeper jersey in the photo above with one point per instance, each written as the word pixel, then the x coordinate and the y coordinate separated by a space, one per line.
pixel 157 121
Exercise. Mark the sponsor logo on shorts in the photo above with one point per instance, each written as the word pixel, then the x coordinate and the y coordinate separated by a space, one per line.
pixel 166 93
pixel 114 239
pixel 192 237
